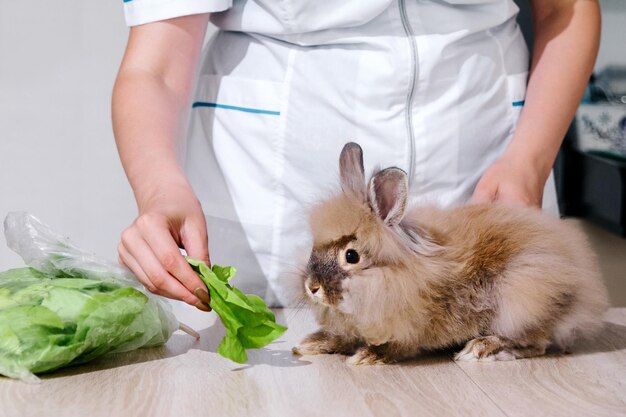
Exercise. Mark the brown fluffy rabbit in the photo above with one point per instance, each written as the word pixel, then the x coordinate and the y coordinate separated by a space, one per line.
pixel 387 281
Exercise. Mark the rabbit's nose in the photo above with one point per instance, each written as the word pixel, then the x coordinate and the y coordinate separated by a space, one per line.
pixel 313 288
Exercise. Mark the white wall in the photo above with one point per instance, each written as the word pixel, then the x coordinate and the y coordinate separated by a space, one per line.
pixel 613 43
pixel 58 60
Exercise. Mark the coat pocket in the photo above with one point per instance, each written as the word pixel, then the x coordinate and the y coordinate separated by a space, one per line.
pixel 516 84
pixel 239 94
pixel 241 121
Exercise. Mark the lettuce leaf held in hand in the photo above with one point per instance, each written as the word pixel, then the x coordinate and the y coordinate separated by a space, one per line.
pixel 249 323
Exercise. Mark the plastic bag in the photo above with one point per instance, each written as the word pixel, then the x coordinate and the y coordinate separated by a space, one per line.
pixel 70 306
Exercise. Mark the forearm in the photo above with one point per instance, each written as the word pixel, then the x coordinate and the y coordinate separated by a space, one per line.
pixel 566 44
pixel 147 124
pixel 151 99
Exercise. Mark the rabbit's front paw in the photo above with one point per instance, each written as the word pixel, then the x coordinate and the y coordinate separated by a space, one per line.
pixel 310 348
pixel 323 342
pixel 376 355
pixel 495 348
pixel 366 356
pixel 487 348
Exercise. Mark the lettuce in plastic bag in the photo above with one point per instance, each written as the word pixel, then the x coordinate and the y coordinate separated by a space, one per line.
pixel 249 323
pixel 70 307
pixel 47 322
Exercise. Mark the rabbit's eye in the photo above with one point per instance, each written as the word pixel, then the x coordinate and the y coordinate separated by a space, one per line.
pixel 352 256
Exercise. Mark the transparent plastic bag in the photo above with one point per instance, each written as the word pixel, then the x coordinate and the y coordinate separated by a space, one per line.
pixel 69 306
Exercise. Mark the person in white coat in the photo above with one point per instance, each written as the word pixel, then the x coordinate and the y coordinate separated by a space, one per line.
pixel 241 138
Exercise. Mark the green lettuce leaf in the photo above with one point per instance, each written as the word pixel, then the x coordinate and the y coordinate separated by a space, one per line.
pixel 248 322
pixel 48 321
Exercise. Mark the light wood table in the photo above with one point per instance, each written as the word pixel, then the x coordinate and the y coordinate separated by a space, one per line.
pixel 187 378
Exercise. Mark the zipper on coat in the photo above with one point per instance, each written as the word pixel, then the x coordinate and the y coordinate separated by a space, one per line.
pixel 408 30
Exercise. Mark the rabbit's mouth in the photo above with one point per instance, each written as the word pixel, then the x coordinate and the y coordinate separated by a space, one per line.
pixel 322 294
pixel 315 291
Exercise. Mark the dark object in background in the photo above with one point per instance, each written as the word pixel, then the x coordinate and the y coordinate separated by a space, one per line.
pixel 525 21
pixel 612 82
pixel 592 186
pixel 590 170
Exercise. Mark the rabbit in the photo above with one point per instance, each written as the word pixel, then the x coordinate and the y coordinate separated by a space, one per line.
pixel 387 282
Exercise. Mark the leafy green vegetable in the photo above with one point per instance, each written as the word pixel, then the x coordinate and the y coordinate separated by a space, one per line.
pixel 52 320
pixel 249 323
pixel 55 319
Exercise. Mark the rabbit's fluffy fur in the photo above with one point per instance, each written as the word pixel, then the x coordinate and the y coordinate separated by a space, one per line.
pixel 507 282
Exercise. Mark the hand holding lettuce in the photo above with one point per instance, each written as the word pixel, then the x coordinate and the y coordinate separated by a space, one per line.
pixel 71 307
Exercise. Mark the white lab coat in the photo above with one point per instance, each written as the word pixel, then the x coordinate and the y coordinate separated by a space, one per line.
pixel 433 87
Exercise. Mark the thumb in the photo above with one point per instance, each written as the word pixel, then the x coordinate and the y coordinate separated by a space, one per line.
pixel 485 192
pixel 195 239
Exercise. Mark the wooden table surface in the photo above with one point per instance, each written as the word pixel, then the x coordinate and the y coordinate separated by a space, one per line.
pixel 187 378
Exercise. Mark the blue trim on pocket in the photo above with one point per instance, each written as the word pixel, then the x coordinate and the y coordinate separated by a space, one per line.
pixel 518 103
pixel 127 1
pixel 227 107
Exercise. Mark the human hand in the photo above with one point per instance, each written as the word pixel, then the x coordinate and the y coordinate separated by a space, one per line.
pixel 511 181
pixel 149 107
pixel 168 219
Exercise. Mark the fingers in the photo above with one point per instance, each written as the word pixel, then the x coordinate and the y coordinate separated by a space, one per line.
pixel 507 182
pixel 153 256
pixel 484 193
pixel 505 194
pixel 194 239
pixel 517 198
pixel 149 271
pixel 164 248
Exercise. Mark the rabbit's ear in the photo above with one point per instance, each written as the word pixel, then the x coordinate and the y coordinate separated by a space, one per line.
pixel 388 194
pixel 351 171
